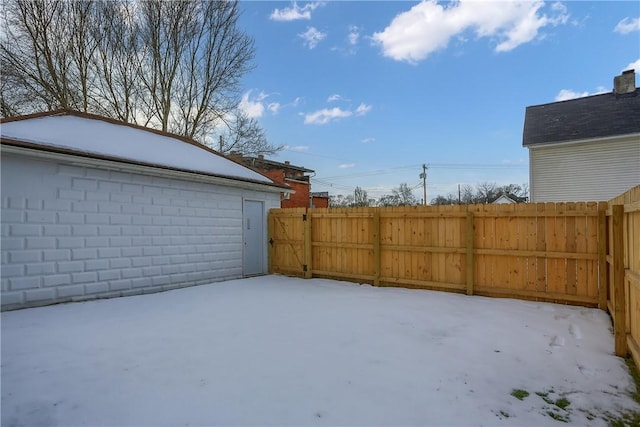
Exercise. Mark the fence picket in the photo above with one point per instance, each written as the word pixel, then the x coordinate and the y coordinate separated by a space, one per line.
pixel 536 251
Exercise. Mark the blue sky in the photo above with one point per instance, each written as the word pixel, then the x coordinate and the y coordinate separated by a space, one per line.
pixel 365 92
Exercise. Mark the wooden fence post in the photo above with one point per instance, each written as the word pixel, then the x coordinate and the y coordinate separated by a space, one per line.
pixel 308 252
pixel 470 258
pixel 603 277
pixel 619 317
pixel 376 247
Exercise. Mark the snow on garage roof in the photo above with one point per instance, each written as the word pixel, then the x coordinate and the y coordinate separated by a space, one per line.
pixel 99 137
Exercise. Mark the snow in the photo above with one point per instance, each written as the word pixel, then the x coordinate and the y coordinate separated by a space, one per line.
pixel 274 350
pixel 124 142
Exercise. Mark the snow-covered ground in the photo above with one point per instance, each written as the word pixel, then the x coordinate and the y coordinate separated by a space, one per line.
pixel 281 351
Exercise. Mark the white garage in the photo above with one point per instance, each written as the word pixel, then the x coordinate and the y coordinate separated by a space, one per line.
pixel 95 208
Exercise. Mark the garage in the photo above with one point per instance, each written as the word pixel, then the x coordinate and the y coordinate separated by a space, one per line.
pixel 96 208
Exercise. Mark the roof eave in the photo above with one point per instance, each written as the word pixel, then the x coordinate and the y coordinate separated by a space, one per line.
pixel 75 113
pixel 10 145
pixel 581 141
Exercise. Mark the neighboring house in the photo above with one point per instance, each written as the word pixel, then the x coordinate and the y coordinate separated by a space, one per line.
pixel 296 177
pixel 587 148
pixel 320 199
pixel 93 208
pixel 508 199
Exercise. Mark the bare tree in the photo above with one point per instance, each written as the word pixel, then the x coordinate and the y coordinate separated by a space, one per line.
pixel 360 198
pixel 466 196
pixel 174 65
pixel 400 196
pixel 35 55
pixel 116 64
pixel 243 134
pixel 191 60
pixel 483 193
pixel 341 201
pixel 405 195
pixel 487 191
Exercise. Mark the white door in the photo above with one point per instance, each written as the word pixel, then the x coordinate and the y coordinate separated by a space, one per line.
pixel 253 238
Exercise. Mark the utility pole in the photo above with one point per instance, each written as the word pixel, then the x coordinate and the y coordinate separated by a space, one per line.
pixel 423 175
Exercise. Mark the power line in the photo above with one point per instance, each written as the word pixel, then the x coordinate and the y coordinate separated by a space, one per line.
pixel 431 165
pixel 370 173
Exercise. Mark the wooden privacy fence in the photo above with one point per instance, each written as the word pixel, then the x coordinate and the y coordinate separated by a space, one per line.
pixel 623 264
pixel 545 251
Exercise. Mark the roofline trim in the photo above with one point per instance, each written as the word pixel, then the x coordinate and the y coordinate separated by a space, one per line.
pixel 19 147
pixel 581 141
pixel 611 92
pixel 279 164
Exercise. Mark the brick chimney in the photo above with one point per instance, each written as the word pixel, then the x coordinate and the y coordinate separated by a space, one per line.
pixel 625 82
pixel 236 156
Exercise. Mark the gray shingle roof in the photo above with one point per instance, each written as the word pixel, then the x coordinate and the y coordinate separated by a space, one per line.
pixel 596 116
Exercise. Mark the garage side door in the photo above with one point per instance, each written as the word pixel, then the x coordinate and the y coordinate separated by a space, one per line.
pixel 253 238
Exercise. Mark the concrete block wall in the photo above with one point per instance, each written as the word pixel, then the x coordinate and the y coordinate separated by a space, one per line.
pixel 73 232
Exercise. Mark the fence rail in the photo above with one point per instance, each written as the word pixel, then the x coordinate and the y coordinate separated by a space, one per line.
pixel 546 251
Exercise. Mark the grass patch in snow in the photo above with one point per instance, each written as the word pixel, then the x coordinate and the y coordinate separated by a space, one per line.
pixel 558 416
pixel 629 419
pixel 519 394
pixel 556 409
pixel 562 403
pixel 545 397
pixel 635 374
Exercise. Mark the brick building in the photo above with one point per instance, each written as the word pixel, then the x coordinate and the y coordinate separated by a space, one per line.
pixel 296 177
pixel 320 199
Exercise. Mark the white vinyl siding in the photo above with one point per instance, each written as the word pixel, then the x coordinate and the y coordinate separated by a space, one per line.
pixel 589 171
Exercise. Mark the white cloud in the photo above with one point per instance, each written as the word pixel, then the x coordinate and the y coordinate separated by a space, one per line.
pixel 252 108
pixel 274 107
pixel 347 166
pixel 312 37
pixel 325 115
pixel 428 26
pixel 294 12
pixel 350 46
pixel 566 94
pixel 255 106
pixel 354 35
pixel 628 25
pixel 367 140
pixel 363 109
pixel 633 66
